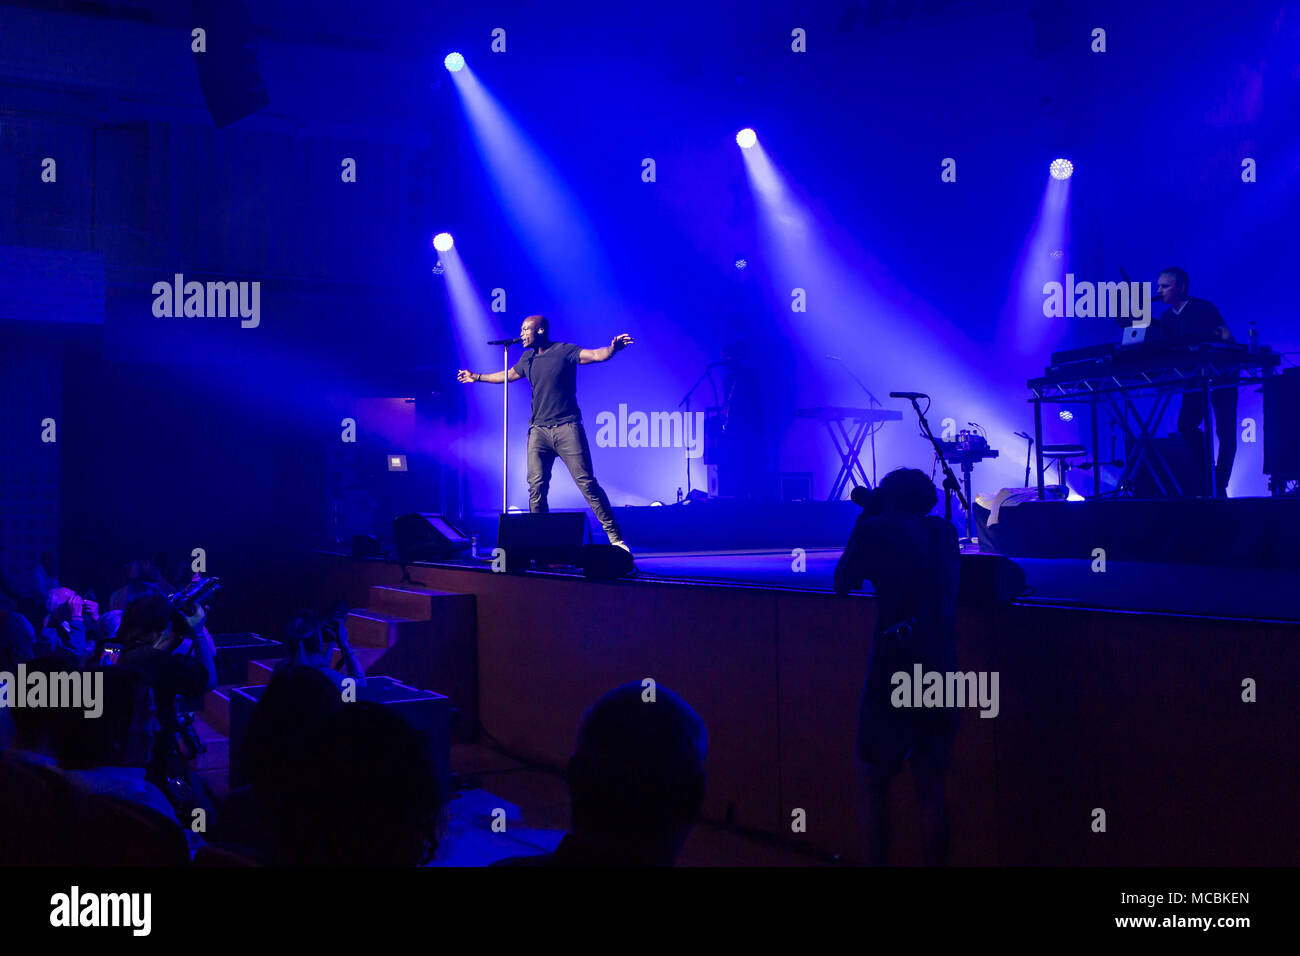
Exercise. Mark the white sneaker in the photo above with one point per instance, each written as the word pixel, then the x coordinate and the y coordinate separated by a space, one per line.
pixel 621 544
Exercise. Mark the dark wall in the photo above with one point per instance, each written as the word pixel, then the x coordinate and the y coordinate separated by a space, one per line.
pixel 158 459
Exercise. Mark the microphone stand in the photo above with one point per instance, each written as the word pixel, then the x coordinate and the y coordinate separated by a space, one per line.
pixel 686 404
pixel 505 418
pixel 505 427
pixel 951 486
pixel 1029 451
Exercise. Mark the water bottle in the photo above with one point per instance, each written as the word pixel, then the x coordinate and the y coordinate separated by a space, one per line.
pixel 679 495
pixel 1254 338
pixel 473 546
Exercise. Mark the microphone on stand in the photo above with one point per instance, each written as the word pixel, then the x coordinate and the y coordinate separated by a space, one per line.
pixel 870 394
pixel 1029 451
pixel 908 395
pixel 506 342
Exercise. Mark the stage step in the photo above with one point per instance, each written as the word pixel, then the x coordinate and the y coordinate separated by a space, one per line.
pixel 216 709
pixel 368 628
pixel 259 672
pixel 424 637
pixel 411 602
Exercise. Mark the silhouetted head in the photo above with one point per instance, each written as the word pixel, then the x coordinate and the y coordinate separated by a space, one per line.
pixel 908 491
pixel 37 728
pixel 287 720
pixel 636 777
pixel 371 798
pixel 737 351
pixel 146 620
pixel 17 639
pixel 303 639
pixel 122 735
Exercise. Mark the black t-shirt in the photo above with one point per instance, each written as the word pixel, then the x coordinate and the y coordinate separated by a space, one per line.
pixel 553 375
pixel 170 676
pixel 914 565
pixel 1198 319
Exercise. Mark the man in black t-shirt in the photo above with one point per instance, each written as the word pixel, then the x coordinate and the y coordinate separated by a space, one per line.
pixel 1199 319
pixel 555 427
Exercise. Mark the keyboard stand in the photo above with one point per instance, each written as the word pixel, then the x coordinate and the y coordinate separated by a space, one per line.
pixel 849 448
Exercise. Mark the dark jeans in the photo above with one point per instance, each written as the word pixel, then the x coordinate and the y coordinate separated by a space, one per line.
pixel 1190 416
pixel 567 441
pixel 888 734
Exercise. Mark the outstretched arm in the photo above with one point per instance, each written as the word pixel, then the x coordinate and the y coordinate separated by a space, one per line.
pixel 620 342
pixel 495 378
pixel 854 565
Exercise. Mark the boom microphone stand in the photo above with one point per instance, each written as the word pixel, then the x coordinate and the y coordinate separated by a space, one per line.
pixel 875 426
pixel 951 486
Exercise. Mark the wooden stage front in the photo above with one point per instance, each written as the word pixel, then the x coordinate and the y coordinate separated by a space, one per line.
pixel 1138 715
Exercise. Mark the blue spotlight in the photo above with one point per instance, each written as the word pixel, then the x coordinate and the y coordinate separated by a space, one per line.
pixel 1062 169
pixel 443 241
pixel 741 263
pixel 746 138
pixel 453 62
pixel 438 268
pixel 1066 415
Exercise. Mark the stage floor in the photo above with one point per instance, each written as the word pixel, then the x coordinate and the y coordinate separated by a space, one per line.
pixel 1204 591
pixel 1230 558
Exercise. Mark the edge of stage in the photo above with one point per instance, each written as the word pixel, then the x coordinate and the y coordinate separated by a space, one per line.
pixel 1233 558
pixel 1187 773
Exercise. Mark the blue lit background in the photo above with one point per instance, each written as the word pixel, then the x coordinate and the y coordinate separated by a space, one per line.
pixel 532 159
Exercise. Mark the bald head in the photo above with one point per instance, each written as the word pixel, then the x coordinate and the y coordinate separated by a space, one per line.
pixel 536 330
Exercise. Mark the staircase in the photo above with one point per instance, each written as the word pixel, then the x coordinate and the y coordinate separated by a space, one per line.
pixel 421 637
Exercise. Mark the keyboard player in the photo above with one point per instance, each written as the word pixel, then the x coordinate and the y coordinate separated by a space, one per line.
pixel 1190 318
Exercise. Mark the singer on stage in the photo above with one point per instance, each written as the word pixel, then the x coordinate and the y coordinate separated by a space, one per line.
pixel 555 427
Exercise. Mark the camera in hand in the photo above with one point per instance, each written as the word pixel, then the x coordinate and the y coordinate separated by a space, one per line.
pixel 197 593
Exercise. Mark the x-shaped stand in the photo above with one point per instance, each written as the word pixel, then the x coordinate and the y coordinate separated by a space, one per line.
pixel 1142 438
pixel 849 448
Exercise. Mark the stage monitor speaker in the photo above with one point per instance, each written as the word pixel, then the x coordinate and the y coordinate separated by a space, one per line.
pixel 795 486
pixel 605 562
pixel 1282 426
pixel 555 537
pixel 228 75
pixel 426 537
pixel 989 580
pixel 365 546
